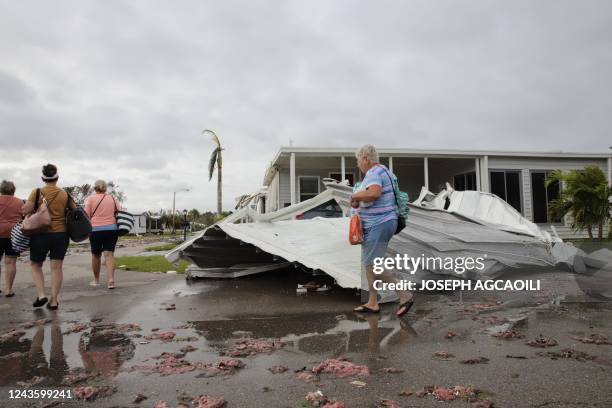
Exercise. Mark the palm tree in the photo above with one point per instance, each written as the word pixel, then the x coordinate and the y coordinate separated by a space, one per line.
pixel 194 214
pixel 215 159
pixel 584 196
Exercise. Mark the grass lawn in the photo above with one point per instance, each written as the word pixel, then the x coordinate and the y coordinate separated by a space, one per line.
pixel 162 247
pixel 149 264
pixel 589 246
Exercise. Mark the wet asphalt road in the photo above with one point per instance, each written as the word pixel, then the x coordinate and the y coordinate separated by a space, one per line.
pixel 313 327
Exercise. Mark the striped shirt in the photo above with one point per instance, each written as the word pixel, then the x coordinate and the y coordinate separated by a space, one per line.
pixel 384 208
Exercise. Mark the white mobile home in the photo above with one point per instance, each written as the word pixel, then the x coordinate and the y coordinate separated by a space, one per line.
pixel 146 223
pixel 296 173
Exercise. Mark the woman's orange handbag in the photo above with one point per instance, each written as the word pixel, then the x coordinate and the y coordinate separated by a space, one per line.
pixel 355 230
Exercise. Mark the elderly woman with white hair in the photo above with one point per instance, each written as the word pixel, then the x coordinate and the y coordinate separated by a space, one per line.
pixel 377 208
pixel 101 209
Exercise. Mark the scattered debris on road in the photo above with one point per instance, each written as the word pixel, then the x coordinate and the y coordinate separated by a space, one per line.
pixel 249 347
pixel 442 355
pixel 567 354
pixel 89 393
pixel 508 335
pixel 542 341
pixel 476 360
pixel 139 398
pixel 387 403
pixel 206 401
pixel 595 338
pixel 450 334
pixel 278 369
pixel 188 349
pixel 341 368
pixel 318 399
pixel 163 336
pixel 517 357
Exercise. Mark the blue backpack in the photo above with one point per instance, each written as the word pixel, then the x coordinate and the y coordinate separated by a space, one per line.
pixel 401 199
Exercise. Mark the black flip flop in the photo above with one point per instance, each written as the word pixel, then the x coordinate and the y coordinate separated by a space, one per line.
pixel 51 307
pixel 10 294
pixel 365 309
pixel 40 302
pixel 406 307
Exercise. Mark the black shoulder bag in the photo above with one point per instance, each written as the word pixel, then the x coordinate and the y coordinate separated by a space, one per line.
pixel 78 224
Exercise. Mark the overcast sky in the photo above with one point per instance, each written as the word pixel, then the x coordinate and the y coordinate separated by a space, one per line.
pixel 121 90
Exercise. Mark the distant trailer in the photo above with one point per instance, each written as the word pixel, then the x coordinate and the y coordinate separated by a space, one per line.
pixel 146 223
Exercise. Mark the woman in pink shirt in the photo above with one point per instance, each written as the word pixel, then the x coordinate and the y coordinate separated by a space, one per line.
pixel 10 214
pixel 101 208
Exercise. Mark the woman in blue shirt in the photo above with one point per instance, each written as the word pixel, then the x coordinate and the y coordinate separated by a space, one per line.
pixel 379 221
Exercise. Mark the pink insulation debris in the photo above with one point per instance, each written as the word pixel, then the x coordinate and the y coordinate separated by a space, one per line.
pixel 168 365
pixel 206 401
pixel 163 336
pixel 443 394
pixel 126 327
pixel 249 347
pixel 341 368
pixel 89 393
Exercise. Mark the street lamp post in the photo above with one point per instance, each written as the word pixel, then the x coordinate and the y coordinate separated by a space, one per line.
pixel 174 206
pixel 185 225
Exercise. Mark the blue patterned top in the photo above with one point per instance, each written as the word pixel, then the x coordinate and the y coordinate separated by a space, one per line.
pixel 384 208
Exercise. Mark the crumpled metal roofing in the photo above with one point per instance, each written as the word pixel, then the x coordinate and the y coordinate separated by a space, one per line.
pixel 322 243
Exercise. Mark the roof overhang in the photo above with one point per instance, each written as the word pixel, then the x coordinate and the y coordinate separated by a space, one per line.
pixel 433 153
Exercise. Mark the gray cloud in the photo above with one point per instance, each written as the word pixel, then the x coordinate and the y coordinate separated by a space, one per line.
pixel 122 90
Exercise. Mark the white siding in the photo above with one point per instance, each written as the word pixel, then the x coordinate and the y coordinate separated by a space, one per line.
pixel 526 185
pixel 535 163
pixel 284 188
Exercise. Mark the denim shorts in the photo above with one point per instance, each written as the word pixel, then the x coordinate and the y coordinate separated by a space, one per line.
pixel 54 244
pixel 375 241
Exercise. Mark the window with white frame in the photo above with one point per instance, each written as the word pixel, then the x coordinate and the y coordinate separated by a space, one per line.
pixel 308 187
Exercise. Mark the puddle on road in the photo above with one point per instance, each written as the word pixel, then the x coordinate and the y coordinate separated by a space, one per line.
pixel 44 355
pixel 318 333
